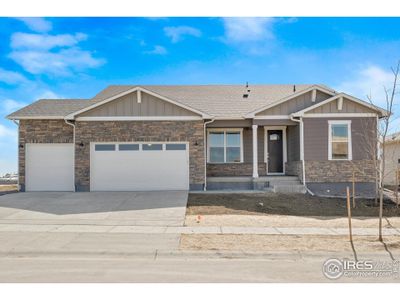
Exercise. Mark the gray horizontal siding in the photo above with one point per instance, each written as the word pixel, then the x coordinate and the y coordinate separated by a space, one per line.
pixel 229 124
pixel 248 145
pixel 363 131
pixel 293 143
pixel 128 106
pixel 273 122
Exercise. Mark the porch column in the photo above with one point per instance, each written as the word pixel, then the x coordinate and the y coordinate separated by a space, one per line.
pixel 255 152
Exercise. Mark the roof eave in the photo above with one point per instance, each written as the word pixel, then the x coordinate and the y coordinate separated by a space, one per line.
pixel 34 117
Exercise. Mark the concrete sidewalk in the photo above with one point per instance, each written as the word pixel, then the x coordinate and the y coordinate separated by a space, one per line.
pixel 81 228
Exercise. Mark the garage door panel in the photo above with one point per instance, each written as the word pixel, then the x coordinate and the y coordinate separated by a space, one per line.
pixel 49 167
pixel 139 170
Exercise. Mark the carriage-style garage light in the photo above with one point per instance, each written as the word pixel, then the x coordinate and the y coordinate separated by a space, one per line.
pixel 21 146
pixel 81 144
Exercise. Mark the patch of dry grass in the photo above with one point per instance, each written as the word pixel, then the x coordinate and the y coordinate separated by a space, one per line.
pixel 8 188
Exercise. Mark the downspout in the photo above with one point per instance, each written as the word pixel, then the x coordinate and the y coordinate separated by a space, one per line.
pixel 302 152
pixel 205 152
pixel 73 140
pixel 17 123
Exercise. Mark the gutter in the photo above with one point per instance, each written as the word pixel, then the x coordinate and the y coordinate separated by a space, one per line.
pixel 205 152
pixel 300 121
pixel 73 140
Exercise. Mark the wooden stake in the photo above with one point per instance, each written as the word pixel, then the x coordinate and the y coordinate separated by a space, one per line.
pixel 349 213
pixel 397 186
pixel 354 189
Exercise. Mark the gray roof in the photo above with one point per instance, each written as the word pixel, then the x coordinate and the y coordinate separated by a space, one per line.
pixel 215 100
pixel 50 108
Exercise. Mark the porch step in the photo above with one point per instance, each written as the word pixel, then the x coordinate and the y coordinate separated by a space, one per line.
pixel 287 184
pixel 289 188
pixel 276 184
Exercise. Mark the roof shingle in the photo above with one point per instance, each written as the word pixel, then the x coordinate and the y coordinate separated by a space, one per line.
pixel 215 100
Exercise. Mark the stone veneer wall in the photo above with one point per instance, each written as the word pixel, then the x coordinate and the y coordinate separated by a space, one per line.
pixel 339 171
pixel 40 131
pixel 235 169
pixel 140 131
pixel 294 168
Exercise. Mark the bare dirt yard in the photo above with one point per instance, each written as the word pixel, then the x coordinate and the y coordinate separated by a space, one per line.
pixel 284 210
pixel 287 210
pixel 267 243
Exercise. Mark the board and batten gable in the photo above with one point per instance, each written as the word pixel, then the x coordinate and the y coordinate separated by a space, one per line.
pixel 296 104
pixel 129 105
pixel 348 106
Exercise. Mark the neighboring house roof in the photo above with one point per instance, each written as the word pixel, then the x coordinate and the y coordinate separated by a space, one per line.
pixel 393 138
pixel 49 108
pixel 218 101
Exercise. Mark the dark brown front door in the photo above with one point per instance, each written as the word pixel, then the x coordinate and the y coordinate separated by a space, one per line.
pixel 275 151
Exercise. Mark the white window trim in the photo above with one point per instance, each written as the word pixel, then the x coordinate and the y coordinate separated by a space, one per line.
pixel 349 144
pixel 224 130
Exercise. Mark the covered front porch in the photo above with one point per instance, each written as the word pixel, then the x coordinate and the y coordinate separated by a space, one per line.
pixel 253 154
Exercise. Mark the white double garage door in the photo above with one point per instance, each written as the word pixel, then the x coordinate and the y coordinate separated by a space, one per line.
pixel 113 166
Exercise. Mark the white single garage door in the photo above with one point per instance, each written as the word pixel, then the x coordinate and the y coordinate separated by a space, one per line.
pixel 49 167
pixel 139 166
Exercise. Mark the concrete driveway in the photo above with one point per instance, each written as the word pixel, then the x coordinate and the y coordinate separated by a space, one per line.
pixel 112 222
pixel 166 208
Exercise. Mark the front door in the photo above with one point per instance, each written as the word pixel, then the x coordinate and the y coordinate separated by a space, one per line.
pixel 275 151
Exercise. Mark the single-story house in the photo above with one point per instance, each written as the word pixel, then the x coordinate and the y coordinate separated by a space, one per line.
pixel 186 137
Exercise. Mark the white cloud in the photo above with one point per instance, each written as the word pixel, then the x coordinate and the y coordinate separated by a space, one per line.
pixel 11 77
pixel 368 81
pixel 157 50
pixel 7 132
pixel 62 62
pixel 52 54
pixel 9 105
pixel 242 29
pixel 37 24
pixel 45 41
pixel 177 33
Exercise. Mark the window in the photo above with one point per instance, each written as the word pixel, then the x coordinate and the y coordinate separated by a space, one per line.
pixel 340 140
pixel 150 147
pixel 175 147
pixel 225 146
pixel 128 147
pixel 104 147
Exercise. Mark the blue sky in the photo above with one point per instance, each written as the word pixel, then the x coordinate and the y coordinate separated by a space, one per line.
pixel 77 57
